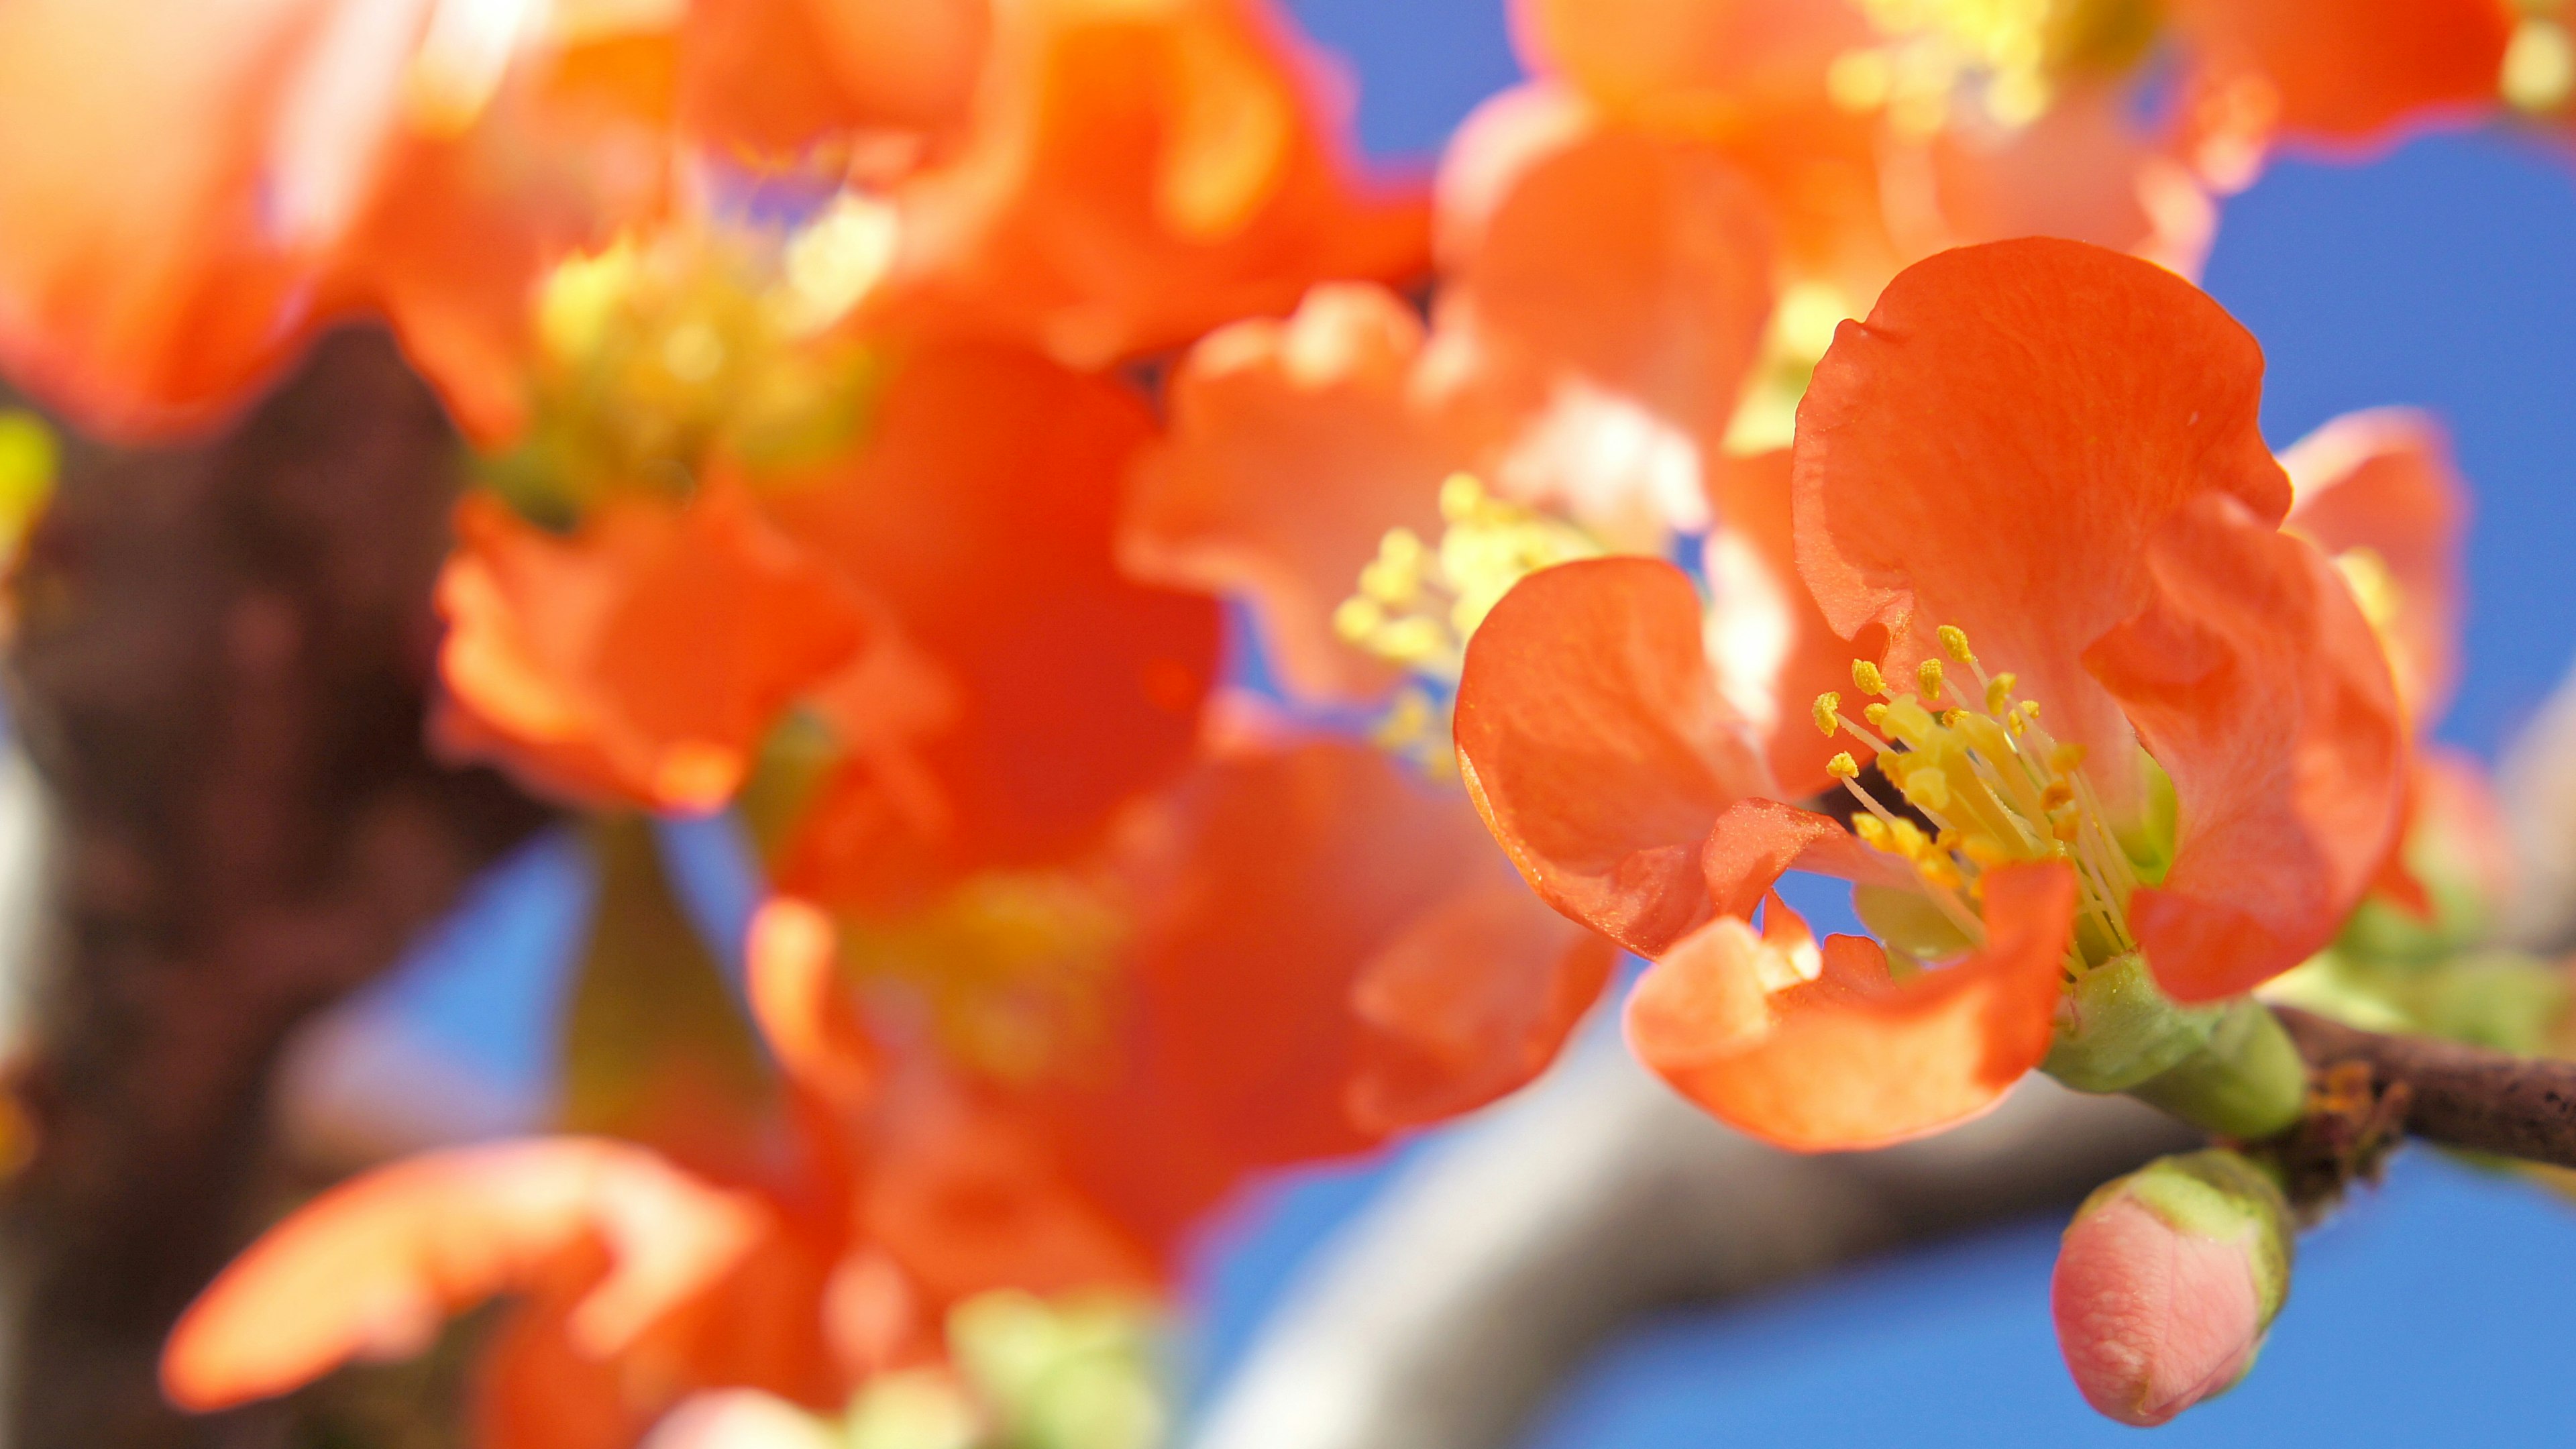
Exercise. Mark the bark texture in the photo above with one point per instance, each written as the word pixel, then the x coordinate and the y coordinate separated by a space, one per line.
pixel 220 674
pixel 2452 1093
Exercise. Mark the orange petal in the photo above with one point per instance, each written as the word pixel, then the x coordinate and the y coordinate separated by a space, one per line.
pixel 2084 170
pixel 1470 1001
pixel 1770 644
pixel 980 511
pixel 1707 62
pixel 2255 681
pixel 1611 302
pixel 1596 745
pixel 805 1013
pixel 168 197
pixel 1136 174
pixel 640 660
pixel 1293 448
pixel 1754 842
pixel 1996 446
pixel 573 148
pixel 1854 1059
pixel 538 1387
pixel 969 1196
pixel 2377 491
pixel 775 76
pixel 2453 838
pixel 1326 950
pixel 2345 70
pixel 369 1269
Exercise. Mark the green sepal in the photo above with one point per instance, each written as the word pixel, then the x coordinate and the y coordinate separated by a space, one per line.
pixel 2117 1028
pixel 2248 1082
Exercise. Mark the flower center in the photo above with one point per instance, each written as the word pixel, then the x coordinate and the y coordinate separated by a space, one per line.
pixel 1418 603
pixel 2539 70
pixel 1977 764
pixel 2003 58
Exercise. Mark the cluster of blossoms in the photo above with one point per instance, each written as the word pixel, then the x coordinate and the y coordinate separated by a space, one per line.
pixel 875 404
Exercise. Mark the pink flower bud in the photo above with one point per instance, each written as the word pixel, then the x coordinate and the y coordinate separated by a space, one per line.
pixel 2167 1281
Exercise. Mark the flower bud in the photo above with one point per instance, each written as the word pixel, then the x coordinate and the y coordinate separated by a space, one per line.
pixel 2167 1281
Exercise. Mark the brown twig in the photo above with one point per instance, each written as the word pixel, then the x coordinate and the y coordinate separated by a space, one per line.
pixel 2454 1094
pixel 220 673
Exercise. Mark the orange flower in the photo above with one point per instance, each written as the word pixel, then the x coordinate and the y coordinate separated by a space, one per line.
pixel 2378 492
pixel 773 77
pixel 1135 174
pixel 1294 446
pixel 2342 73
pixel 1321 952
pixel 640 660
pixel 1606 296
pixel 1810 101
pixel 979 511
pixel 642 1284
pixel 624 1260
pixel 187 191
pixel 2050 450
pixel 941 594
pixel 1883 133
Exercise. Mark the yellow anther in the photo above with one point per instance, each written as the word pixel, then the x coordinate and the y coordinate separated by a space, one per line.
pixel 2066 759
pixel 2539 67
pixel 1357 618
pixel 1939 871
pixel 1411 640
pixel 1394 577
pixel 2013 722
pixel 1827 705
pixel 2058 793
pixel 1462 497
pixel 1876 714
pixel 1954 642
pixel 2030 710
pixel 1866 678
pixel 1873 833
pixel 1911 842
pixel 1843 767
pixel 1929 678
pixel 1999 693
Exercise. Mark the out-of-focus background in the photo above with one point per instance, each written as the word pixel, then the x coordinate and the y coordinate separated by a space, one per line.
pixel 2441 274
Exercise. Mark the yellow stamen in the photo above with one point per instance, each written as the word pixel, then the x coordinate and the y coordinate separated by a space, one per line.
pixel 1999 693
pixel 1417 601
pixel 1954 642
pixel 1929 678
pixel 1876 714
pixel 1873 833
pixel 1828 707
pixel 1843 767
pixel 1866 678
